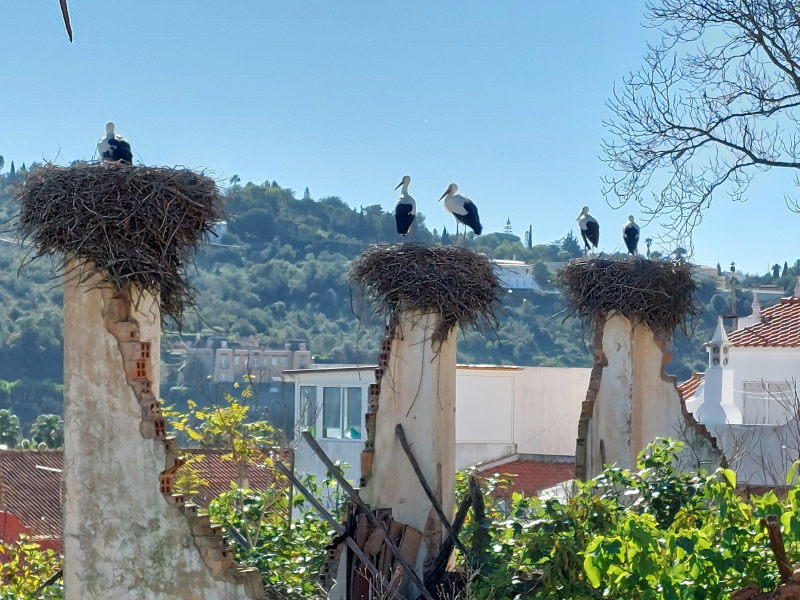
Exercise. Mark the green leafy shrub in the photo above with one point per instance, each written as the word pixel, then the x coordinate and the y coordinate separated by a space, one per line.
pixel 25 569
pixel 650 533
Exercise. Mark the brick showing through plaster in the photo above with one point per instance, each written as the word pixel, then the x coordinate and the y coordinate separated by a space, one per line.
pixel 214 549
pixel 118 542
pixel 621 400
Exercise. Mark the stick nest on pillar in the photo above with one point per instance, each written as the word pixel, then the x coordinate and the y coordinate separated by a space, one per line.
pixel 134 225
pixel 457 284
pixel 660 294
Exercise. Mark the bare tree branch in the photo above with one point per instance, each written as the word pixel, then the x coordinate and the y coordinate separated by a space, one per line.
pixel 716 101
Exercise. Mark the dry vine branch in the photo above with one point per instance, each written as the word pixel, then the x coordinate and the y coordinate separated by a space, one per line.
pixel 134 225
pixel 657 293
pixel 457 284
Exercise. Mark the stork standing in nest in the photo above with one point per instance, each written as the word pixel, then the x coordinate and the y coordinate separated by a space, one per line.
pixel 113 147
pixel 406 208
pixel 630 233
pixel 463 209
pixel 590 229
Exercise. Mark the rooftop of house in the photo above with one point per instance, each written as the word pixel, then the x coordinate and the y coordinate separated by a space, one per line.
pixel 30 488
pixel 31 485
pixel 688 388
pixel 531 473
pixel 500 262
pixel 779 327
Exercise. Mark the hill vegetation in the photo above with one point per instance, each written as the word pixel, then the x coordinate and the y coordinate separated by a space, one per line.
pixel 278 270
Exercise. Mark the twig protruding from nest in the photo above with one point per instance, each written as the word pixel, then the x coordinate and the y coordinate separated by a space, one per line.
pixel 659 294
pixel 457 284
pixel 134 225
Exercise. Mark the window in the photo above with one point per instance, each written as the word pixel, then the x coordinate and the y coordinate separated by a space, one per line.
pixel 342 412
pixel 332 412
pixel 308 407
pixel 352 426
pixel 767 403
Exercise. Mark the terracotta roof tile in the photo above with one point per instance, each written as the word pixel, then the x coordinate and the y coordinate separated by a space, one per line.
pixel 687 388
pixel 31 492
pixel 779 327
pixel 35 496
pixel 219 473
pixel 530 476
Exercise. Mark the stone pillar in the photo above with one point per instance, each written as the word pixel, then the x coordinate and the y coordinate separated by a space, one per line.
pixel 631 401
pixel 121 539
pixel 417 390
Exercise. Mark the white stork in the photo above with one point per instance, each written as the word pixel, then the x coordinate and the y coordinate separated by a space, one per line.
pixel 406 208
pixel 630 233
pixel 590 228
pixel 114 147
pixel 462 208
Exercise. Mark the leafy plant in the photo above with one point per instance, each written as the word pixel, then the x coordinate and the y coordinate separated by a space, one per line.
pixel 289 554
pixel 275 531
pixel 24 570
pixel 649 533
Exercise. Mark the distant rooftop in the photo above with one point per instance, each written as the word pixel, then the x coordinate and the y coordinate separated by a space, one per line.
pixel 779 327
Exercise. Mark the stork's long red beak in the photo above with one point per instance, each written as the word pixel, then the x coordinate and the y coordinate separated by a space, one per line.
pixel 65 14
pixel 445 193
pixel 399 184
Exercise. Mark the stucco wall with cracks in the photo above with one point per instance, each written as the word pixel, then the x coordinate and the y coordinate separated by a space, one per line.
pixel 631 401
pixel 417 391
pixel 121 539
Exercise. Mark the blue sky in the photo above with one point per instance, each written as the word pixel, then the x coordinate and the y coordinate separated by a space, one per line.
pixel 505 98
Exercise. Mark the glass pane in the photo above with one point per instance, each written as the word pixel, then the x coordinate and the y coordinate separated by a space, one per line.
pixel 782 405
pixel 754 409
pixel 332 412
pixel 353 414
pixel 308 406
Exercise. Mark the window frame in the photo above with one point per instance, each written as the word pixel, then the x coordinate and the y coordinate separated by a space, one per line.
pixel 349 397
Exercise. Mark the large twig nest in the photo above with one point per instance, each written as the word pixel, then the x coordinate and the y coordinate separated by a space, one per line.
pixel 133 225
pixel 457 284
pixel 659 294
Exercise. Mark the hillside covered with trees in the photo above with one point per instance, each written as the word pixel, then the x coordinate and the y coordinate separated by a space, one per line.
pixel 278 270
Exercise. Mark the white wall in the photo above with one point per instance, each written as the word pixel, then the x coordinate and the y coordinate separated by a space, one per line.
pixel 500 411
pixel 779 365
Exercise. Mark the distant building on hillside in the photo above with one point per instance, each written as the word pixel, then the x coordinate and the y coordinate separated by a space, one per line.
pixel 515 275
pixel 227 362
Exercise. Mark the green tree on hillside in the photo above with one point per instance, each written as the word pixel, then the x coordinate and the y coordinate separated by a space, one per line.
pixel 10 430
pixel 49 430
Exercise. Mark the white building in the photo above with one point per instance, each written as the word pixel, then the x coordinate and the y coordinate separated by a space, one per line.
pixel 501 411
pixel 515 275
pixel 747 397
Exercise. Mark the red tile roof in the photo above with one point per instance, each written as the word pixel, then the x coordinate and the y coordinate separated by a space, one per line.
pixel 219 473
pixel 779 327
pixel 31 492
pixel 687 388
pixel 34 494
pixel 531 475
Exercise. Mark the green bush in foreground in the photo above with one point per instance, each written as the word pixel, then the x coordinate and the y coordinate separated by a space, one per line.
pixel 652 533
